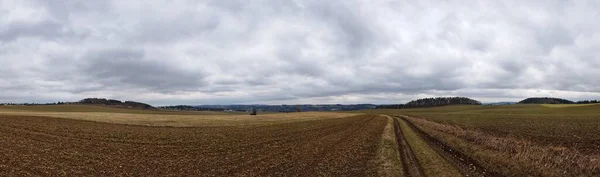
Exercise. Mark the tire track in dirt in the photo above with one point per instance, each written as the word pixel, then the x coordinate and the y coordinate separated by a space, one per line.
pixel 466 165
pixel 410 164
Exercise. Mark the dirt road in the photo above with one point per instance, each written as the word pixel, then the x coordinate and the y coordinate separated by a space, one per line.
pixel 440 154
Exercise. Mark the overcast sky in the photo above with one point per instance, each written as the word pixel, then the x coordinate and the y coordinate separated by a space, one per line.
pixel 297 51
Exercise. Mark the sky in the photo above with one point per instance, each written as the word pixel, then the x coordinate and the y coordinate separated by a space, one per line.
pixel 298 51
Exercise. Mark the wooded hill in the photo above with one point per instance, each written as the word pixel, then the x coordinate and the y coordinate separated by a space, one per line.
pixel 116 103
pixel 545 100
pixel 441 101
pixel 189 108
pixel 432 102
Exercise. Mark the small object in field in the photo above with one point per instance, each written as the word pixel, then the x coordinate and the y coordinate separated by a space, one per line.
pixel 253 112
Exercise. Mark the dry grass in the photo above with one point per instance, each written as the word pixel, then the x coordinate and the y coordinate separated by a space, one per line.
pixel 573 127
pixel 183 120
pixel 431 162
pixel 389 156
pixel 45 146
pixel 512 156
pixel 566 105
pixel 518 140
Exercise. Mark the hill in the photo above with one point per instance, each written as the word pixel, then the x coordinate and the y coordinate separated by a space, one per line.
pixel 116 103
pixel 440 101
pixel 500 103
pixel 89 110
pixel 545 100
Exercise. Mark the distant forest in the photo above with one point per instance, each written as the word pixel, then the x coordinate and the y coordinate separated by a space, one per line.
pixel 190 108
pixel 271 108
pixel 588 102
pixel 117 103
pixel 432 102
pixel 94 101
pixel 550 100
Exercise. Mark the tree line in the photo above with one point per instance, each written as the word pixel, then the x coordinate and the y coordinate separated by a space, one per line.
pixel 189 108
pixel 551 100
pixel 588 102
pixel 113 102
pixel 36 104
pixel 545 100
pixel 432 102
pixel 92 101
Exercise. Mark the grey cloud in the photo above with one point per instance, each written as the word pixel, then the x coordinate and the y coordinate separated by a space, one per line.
pixel 354 32
pixel 168 30
pixel 132 68
pixel 553 36
pixel 47 30
pixel 235 51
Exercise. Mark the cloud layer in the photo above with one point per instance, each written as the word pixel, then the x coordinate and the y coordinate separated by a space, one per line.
pixel 301 51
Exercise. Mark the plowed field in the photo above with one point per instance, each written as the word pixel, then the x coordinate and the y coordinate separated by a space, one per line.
pixel 45 146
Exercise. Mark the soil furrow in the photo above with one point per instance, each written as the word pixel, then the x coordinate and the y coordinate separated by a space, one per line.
pixel 466 165
pixel 43 146
pixel 410 164
pixel 330 141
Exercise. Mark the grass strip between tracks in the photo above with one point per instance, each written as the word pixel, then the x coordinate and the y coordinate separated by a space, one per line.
pixel 430 161
pixel 391 163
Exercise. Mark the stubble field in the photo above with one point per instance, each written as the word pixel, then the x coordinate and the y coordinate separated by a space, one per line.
pixel 512 140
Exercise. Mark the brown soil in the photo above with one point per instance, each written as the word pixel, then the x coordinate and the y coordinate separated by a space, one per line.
pixel 43 146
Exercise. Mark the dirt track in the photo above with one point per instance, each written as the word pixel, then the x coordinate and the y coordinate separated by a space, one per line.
pixel 466 165
pixel 410 164
pixel 42 146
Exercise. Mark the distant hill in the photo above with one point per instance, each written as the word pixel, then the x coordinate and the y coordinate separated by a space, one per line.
pixel 440 101
pixel 390 106
pixel 189 108
pixel 116 103
pixel 500 103
pixel 545 100
pixel 588 102
pixel 278 108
